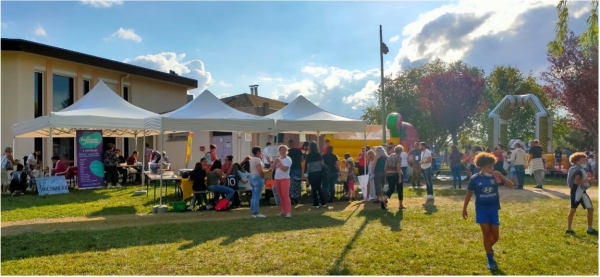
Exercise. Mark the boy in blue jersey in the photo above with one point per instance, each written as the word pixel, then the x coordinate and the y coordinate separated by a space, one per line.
pixel 487 201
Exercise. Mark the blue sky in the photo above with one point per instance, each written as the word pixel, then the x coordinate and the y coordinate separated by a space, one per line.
pixel 326 51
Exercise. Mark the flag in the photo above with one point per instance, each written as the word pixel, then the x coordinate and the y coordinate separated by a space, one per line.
pixel 188 150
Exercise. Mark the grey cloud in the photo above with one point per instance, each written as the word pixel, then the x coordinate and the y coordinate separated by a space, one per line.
pixel 450 27
pixel 523 46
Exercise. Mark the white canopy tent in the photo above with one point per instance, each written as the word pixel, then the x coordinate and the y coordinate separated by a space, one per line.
pixel 207 112
pixel 303 117
pixel 101 108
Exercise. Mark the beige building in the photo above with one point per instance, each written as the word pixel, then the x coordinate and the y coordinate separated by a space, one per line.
pixel 38 79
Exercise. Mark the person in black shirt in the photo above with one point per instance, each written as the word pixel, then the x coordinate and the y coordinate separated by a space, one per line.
pixel 198 176
pixel 295 172
pixel 536 163
pixel 314 173
pixel 122 170
pixel 558 158
pixel 331 161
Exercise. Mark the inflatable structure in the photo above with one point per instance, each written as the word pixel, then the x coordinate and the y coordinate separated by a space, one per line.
pixel 498 132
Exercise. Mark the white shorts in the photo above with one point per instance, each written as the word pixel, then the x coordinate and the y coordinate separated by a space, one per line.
pixel 5 177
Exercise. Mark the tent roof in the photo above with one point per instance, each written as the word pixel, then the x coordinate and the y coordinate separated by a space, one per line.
pixel 101 108
pixel 302 116
pixel 207 112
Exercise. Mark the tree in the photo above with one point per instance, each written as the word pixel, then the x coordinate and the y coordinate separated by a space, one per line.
pixel 452 97
pixel 587 40
pixel 402 97
pixel 572 80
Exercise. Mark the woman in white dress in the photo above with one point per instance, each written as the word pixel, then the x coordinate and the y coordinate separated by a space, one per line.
pixel 371 194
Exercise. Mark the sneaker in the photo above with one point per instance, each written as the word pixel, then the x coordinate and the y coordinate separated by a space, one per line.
pixel 110 187
pixel 280 214
pixel 569 232
pixel 209 207
pixel 315 206
pixel 492 265
pixel 21 193
pixel 119 186
pixel 324 206
pixel 258 215
pixel 190 208
pixel 592 232
pixel 288 215
pixel 383 205
pixel 430 197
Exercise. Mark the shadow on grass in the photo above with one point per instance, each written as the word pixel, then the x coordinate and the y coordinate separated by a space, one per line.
pixel 394 220
pixel 35 200
pixel 67 242
pixel 430 207
pixel 498 272
pixel 114 210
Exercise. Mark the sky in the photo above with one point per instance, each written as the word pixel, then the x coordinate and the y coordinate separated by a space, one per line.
pixel 325 51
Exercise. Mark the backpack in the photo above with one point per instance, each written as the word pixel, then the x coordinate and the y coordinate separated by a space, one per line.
pixel 15 176
pixel 222 205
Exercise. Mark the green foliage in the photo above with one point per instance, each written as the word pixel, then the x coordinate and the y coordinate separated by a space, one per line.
pixel 588 39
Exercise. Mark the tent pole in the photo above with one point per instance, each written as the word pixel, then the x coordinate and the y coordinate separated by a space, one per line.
pixel 318 142
pixel 51 143
pixel 162 147
pixel 14 149
pixel 365 152
pixel 144 161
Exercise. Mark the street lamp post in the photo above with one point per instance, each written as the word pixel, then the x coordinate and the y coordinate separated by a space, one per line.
pixel 383 49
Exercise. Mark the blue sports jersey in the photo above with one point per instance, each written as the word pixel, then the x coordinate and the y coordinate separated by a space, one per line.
pixel 485 190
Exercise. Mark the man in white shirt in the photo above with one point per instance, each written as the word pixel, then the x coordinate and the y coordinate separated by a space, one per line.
pixel 425 163
pixel 269 155
pixel 518 161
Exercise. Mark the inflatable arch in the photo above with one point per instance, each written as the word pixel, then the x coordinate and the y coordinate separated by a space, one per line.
pixel 502 113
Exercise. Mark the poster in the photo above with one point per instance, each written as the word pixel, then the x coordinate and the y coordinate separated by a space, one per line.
pixel 52 185
pixel 90 167
pixel 188 149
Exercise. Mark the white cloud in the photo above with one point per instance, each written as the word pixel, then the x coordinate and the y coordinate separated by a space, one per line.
pixel 395 38
pixel 102 3
pixel 364 97
pixel 224 84
pixel 166 61
pixel 223 95
pixel 39 31
pixel 125 34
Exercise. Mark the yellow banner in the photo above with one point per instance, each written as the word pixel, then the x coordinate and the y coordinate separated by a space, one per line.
pixel 188 150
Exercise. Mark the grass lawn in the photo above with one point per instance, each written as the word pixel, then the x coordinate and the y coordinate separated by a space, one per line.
pixel 425 239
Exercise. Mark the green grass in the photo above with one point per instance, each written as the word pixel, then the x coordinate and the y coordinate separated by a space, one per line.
pixel 363 242
pixel 104 202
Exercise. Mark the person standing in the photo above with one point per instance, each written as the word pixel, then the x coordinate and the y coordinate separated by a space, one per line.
pixel 314 173
pixel 266 158
pixel 579 182
pixel 33 163
pixel 499 154
pixel 282 180
pixel 425 162
pixel 536 163
pixel 361 158
pixel 7 164
pixel 295 155
pixel 558 158
pixel 369 194
pixel 257 181
pixel 393 175
pixel 415 159
pixel 379 178
pixel 147 156
pixel 456 166
pixel 332 163
pixel 404 164
pixel 327 144
pixel 518 162
pixel 111 161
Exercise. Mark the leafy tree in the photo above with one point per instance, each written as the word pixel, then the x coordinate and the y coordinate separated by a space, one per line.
pixel 452 97
pixel 572 80
pixel 587 40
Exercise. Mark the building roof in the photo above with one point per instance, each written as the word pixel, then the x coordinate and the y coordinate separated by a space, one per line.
pixel 77 57
pixel 249 100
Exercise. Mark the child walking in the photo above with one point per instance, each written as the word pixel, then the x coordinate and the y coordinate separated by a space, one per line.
pixel 579 182
pixel 487 202
pixel 351 178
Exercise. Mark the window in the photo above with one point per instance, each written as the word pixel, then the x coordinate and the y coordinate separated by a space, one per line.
pixel 38 94
pixel 62 97
pixel 86 86
pixel 126 93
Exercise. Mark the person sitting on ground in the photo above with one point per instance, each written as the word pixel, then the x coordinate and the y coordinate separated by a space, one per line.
pixel 18 180
pixel 579 182
pixel 198 177
pixel 214 180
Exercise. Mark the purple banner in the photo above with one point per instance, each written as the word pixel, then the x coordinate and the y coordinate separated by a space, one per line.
pixel 90 167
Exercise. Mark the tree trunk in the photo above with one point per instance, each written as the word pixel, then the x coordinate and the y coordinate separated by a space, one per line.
pixel 454 138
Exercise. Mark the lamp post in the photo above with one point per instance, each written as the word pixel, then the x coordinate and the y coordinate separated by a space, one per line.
pixel 383 49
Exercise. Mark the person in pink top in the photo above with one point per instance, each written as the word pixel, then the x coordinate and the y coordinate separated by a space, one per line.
pixel 327 144
pixel 59 166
